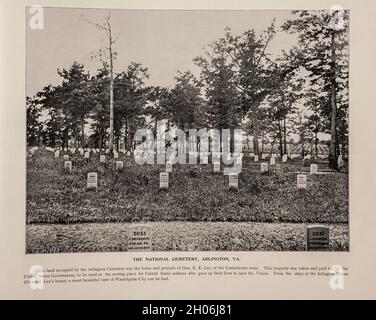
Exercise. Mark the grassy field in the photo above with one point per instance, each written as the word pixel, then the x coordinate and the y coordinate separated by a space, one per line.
pixel 195 194
pixel 178 236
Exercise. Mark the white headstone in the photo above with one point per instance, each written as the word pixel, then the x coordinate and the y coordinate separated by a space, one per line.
pixel 66 157
pixel 57 153
pixel 87 155
pixel 284 158
pixel 163 180
pixel 301 180
pixel 32 151
pixel 272 161
pixel 274 155
pixel 68 167
pixel 217 167
pixel 92 180
pixel 256 158
pixel 168 167
pixel 313 168
pixel 139 238
pixel 263 156
pixel 317 237
pixel 116 155
pixel 128 153
pixel 340 162
pixel 82 152
pixel 102 159
pixel 119 165
pixel 233 182
pixel 264 167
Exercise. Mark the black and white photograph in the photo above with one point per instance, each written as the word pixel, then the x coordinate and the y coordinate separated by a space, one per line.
pixel 186 130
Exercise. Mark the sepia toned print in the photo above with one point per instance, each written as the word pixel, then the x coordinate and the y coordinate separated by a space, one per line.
pixel 172 130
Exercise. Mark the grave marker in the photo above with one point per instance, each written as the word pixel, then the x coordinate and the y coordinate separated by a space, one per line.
pixel 57 153
pixel 284 158
pixel 313 169
pixel 264 167
pixel 168 167
pixel 317 238
pixel 163 181
pixel 116 155
pixel 301 181
pixel 119 165
pixel 139 238
pixel 263 156
pixel 102 159
pixel 217 167
pixel 272 161
pixel 66 157
pixel 256 158
pixel 233 182
pixel 92 181
pixel 68 167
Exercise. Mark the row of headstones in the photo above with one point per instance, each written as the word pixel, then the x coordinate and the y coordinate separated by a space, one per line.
pixel 119 165
pixel 140 238
pixel 86 155
pixel 164 176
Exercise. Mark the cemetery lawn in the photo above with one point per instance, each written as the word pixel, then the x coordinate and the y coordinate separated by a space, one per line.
pixel 195 194
pixel 178 236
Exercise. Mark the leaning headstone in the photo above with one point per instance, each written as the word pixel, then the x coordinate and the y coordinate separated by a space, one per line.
pixel 139 238
pixel 264 167
pixel 168 167
pixel 119 165
pixel 272 161
pixel 217 167
pixel 68 167
pixel 317 238
pixel 92 181
pixel 313 168
pixel 301 181
pixel 284 158
pixel 66 157
pixel 102 159
pixel 233 182
pixel 163 181
pixel 256 158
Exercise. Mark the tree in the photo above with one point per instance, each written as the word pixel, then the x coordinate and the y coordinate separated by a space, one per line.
pixel 323 51
pixel 250 74
pixel 108 55
pixel 184 102
pixel 76 99
pixel 131 98
pixel 33 125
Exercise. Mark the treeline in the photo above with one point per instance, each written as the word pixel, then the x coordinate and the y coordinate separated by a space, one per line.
pixel 240 85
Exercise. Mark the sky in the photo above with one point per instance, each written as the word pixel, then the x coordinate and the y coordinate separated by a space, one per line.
pixel 164 41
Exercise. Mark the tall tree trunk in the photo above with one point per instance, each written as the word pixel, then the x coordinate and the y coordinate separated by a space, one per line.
pixel 280 138
pixel 316 144
pixel 82 123
pixel 332 148
pixel 255 132
pixel 284 136
pixel 111 139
